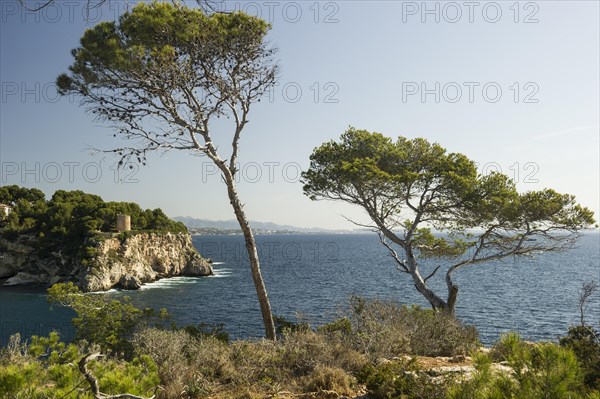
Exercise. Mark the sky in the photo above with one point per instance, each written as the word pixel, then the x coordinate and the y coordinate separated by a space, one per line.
pixel 512 85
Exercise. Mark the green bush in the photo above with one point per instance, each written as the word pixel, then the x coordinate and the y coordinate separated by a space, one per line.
pixel 70 219
pixel 138 376
pixel 485 383
pixel 284 326
pixel 400 378
pixel 339 327
pixel 21 380
pixel 584 341
pixel 203 330
pixel 102 321
pixel 510 345
pixel 48 369
pixel 540 371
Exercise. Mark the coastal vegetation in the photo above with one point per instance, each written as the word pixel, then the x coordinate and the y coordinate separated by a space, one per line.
pixel 69 218
pixel 74 237
pixel 377 348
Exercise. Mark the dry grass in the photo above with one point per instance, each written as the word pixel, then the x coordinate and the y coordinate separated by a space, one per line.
pixel 304 363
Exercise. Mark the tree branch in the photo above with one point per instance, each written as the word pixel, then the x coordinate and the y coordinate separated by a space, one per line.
pixel 38 8
pixel 95 386
pixel 401 265
pixel 432 273
pixel 587 290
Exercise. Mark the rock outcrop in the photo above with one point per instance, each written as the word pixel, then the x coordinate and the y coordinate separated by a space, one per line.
pixel 22 262
pixel 121 261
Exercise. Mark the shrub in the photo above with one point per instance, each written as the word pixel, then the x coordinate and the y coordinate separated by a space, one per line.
pixel 433 333
pixel 208 330
pixel 212 360
pixel 137 377
pixel 186 364
pixel 377 329
pixel 20 379
pixel 324 378
pixel 167 349
pixel 257 361
pixel 484 383
pixel 584 342
pixel 302 352
pixel 14 351
pixel 554 372
pixel 384 329
pixel 108 323
pixel 509 346
pixel 340 327
pixel 400 378
pixel 544 370
pixel 49 370
pixel 284 326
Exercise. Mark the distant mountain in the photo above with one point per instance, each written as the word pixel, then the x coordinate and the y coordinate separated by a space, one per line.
pixel 232 224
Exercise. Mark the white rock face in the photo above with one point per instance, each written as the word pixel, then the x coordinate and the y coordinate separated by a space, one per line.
pixel 142 258
pixel 23 278
pixel 127 263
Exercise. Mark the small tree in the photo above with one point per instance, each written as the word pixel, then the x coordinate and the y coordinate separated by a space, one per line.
pixel 410 187
pixel 109 323
pixel 163 74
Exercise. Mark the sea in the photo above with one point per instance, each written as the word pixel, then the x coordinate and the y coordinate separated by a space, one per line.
pixel 311 278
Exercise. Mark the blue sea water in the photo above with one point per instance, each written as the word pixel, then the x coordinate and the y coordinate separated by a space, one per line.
pixel 312 276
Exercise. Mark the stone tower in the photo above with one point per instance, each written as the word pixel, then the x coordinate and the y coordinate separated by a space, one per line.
pixel 123 223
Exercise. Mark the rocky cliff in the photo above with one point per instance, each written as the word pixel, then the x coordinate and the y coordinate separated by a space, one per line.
pixel 122 261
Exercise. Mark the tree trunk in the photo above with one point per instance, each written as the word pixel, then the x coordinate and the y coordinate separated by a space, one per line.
pixel 435 301
pixel 261 291
pixel 452 291
pixel 452 296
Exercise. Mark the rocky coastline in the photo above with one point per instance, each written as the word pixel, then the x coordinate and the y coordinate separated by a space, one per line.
pixel 125 261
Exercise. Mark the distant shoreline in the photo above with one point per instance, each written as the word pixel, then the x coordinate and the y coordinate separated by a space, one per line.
pixel 234 232
pixel 231 232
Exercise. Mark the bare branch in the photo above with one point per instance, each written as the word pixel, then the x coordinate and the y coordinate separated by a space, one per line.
pixel 432 273
pixel 211 6
pixel 95 386
pixel 208 6
pixel 88 6
pixel 38 8
pixel 401 265
pixel 587 290
pixel 367 226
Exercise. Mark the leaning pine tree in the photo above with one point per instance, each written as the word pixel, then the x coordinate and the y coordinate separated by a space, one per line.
pixel 409 188
pixel 162 74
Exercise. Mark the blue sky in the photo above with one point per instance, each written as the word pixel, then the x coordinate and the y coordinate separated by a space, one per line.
pixel 515 86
